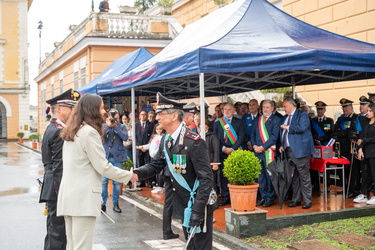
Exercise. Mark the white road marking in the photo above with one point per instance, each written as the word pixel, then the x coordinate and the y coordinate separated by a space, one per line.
pixel 175 244
pixel 98 247
pixel 162 243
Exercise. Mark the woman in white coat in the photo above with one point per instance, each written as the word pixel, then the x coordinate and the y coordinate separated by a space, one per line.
pixel 84 164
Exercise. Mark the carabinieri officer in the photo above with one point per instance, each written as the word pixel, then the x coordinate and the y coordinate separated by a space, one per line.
pixel 186 156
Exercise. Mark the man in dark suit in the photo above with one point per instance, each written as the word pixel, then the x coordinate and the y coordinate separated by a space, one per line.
pixel 104 6
pixel 228 144
pixel 143 132
pixel 186 156
pixel 297 142
pixel 264 136
pixel 61 108
pixel 249 119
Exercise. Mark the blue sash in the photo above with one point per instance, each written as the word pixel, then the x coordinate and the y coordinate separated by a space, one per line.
pixel 358 126
pixel 181 180
pixel 318 128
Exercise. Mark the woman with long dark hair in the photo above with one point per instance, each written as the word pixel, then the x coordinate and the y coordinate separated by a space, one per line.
pixel 366 152
pixel 84 164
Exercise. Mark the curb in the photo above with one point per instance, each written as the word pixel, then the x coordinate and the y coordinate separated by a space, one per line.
pixel 28 147
pixel 219 236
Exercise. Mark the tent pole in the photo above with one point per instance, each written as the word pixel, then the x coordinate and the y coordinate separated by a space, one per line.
pixel 133 126
pixel 293 88
pixel 202 105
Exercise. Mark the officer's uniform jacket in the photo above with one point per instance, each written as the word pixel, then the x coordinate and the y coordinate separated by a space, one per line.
pixel 197 166
pixel 327 126
pixel 342 135
pixel 52 160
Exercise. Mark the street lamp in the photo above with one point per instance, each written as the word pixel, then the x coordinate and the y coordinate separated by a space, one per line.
pixel 92 5
pixel 40 27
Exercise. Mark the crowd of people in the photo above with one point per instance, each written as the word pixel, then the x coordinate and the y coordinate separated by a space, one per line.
pixel 169 146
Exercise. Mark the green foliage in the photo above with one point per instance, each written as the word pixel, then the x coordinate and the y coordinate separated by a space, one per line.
pixel 144 4
pixel 34 137
pixel 220 2
pixel 20 135
pixel 128 164
pixel 284 90
pixel 241 167
pixel 165 3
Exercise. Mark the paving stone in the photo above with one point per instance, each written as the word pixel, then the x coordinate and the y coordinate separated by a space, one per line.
pixel 355 240
pixel 312 245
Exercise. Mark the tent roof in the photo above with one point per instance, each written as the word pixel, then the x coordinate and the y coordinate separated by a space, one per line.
pixel 247 45
pixel 118 67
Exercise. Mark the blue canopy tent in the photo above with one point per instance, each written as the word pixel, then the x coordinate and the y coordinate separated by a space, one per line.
pixel 118 67
pixel 247 45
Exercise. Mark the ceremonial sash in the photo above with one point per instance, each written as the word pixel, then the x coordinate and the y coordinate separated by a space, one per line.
pixel 229 130
pixel 181 180
pixel 270 152
pixel 344 124
pixel 318 128
pixel 358 126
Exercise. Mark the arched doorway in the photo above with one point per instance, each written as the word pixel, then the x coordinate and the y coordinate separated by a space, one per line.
pixel 3 121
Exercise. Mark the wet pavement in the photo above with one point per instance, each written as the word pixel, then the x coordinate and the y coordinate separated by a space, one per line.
pixel 22 224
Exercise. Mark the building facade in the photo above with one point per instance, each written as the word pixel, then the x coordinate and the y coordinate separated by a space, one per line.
pixel 14 84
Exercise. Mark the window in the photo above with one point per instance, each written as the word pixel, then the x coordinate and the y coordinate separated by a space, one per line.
pixel 61 77
pixel 52 87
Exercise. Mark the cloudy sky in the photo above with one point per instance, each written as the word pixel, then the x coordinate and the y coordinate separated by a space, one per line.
pixel 56 16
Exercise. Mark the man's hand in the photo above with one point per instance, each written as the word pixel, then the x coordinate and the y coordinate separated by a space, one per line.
pixel 258 149
pixel 215 167
pixel 109 124
pixel 227 151
pixel 134 178
pixel 195 220
pixel 281 149
pixel 249 146
pixel 284 126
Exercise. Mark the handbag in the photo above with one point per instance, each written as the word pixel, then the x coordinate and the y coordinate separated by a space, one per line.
pixel 128 144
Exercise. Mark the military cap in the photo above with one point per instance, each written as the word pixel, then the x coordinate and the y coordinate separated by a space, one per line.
pixel 190 108
pixel 364 100
pixel 164 103
pixel 237 104
pixel 320 105
pixel 345 102
pixel 371 94
pixel 69 97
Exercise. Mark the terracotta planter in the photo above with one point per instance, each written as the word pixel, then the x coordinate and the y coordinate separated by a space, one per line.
pixel 243 197
pixel 20 140
pixel 34 145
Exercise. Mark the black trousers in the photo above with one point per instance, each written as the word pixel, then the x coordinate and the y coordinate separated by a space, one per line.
pixel 301 184
pixel 370 163
pixel 202 240
pixel 56 237
pixel 168 209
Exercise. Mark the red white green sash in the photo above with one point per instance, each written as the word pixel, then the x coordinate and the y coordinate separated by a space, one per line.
pixel 269 154
pixel 229 130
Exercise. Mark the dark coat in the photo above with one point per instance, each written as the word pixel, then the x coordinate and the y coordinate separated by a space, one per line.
pixel 143 138
pixel 327 126
pixel 342 135
pixel 240 128
pixel 368 140
pixel 213 146
pixel 113 142
pixel 198 167
pixel 52 160
pixel 102 6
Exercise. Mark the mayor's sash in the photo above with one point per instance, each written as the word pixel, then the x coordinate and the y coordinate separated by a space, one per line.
pixel 270 152
pixel 228 130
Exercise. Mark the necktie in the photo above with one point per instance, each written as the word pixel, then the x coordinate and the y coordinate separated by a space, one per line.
pixel 143 127
pixel 285 133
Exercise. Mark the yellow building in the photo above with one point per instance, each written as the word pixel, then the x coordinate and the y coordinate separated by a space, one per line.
pixel 93 45
pixel 14 86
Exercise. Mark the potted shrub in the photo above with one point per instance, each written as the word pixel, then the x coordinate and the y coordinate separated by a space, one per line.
pixel 34 138
pixel 166 6
pixel 221 3
pixel 241 168
pixel 20 136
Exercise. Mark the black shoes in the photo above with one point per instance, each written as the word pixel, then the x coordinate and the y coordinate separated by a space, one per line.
pixel 224 202
pixel 268 203
pixel 294 204
pixel 170 236
pixel 104 208
pixel 260 202
pixel 307 205
pixel 117 209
